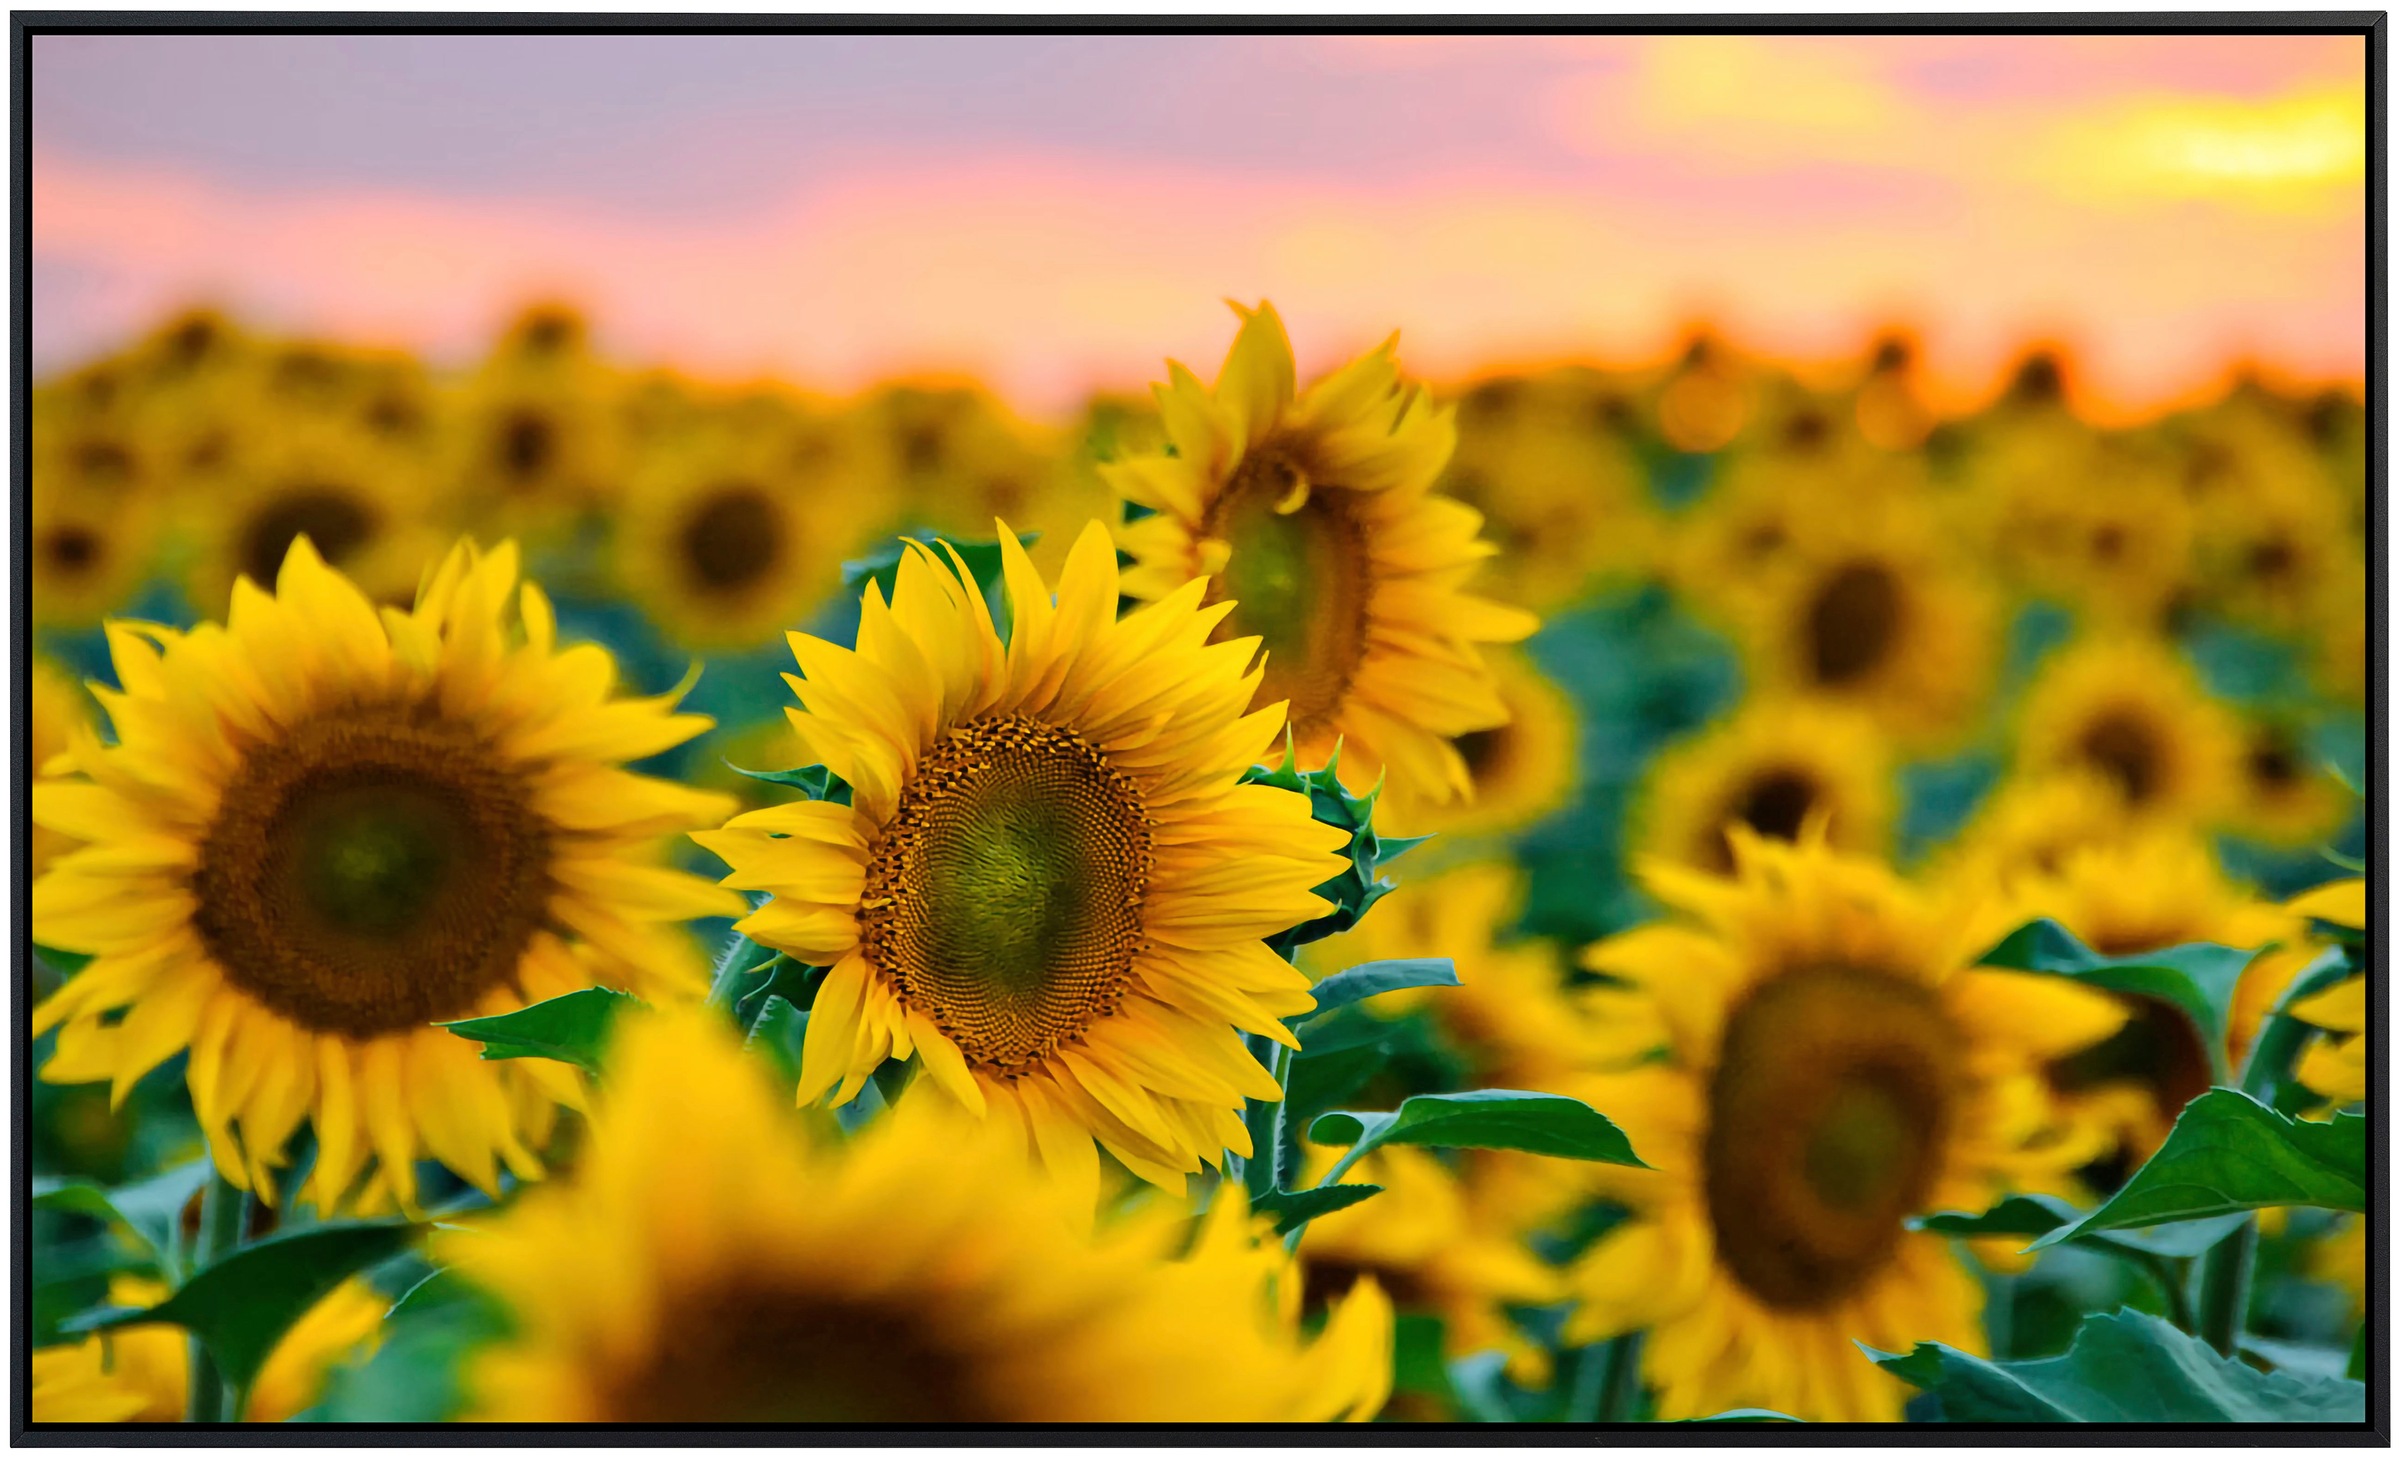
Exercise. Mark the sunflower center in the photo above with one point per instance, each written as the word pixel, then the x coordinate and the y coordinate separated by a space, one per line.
pixel 1006 901
pixel 1299 579
pixel 372 871
pixel 1853 623
pixel 1487 753
pixel 527 443
pixel 328 516
pixel 72 549
pixel 1828 1116
pixel 732 537
pixel 2156 1048
pixel 2273 765
pixel 743 1352
pixel 2123 747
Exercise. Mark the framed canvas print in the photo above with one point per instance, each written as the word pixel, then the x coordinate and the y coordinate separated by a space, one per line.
pixel 952 730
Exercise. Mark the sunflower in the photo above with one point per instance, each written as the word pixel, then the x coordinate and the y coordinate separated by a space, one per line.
pixel 2147 891
pixel 356 500
pixel 1561 492
pixel 1763 505
pixel 1869 608
pixel 731 536
pixel 1422 1243
pixel 2028 827
pixel 60 710
pixel 139 1373
pixel 2336 1067
pixel 1705 401
pixel 1523 770
pixel 2130 709
pixel 1834 1067
pixel 532 442
pixel 1313 515
pixel 1774 768
pixel 87 561
pixel 319 832
pixel 1050 883
pixel 1889 409
pixel 954 457
pixel 2282 798
pixel 716 1258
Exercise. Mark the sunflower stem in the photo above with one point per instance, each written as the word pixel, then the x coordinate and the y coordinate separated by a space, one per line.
pixel 1262 1173
pixel 724 988
pixel 2225 1286
pixel 224 1219
pixel 1620 1377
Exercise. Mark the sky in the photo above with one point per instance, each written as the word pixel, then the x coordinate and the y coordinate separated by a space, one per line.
pixel 1060 213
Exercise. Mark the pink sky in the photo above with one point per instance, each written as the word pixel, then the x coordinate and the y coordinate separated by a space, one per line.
pixel 1058 213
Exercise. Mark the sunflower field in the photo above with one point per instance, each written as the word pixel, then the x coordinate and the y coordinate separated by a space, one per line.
pixel 1710 891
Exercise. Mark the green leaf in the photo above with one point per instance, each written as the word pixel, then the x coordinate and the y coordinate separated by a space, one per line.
pixel 151 1211
pixel 2230 1153
pixel 2027 1216
pixel 65 964
pixel 2197 978
pixel 816 781
pixel 882 566
pixel 1295 1208
pixel 2126 1367
pixel 1372 979
pixel 1484 1118
pixel 571 1029
pixel 240 1307
pixel 778 1034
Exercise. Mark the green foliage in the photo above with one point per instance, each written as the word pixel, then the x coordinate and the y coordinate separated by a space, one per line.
pixel 1484 1118
pixel 1361 885
pixel 65 964
pixel 2196 979
pixel 2028 1216
pixel 1293 1209
pixel 571 1029
pixel 2227 1154
pixel 814 782
pixel 2124 1367
pixel 1373 979
pixel 414 1374
pixel 778 1034
pixel 148 1213
pixel 241 1306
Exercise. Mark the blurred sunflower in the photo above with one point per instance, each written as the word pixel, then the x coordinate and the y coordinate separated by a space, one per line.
pixel 86 562
pixel 954 458
pixel 140 1374
pixel 2028 826
pixel 1870 608
pixel 2147 891
pixel 1421 1243
pixel 1774 768
pixel 359 503
pixel 319 833
pixel 1889 410
pixel 760 1268
pixel 2283 798
pixel 1562 500
pixel 2335 1067
pixel 1835 1068
pixel 1049 884
pixel 1312 515
pixel 1523 771
pixel 2131 710
pixel 1705 401
pixel 60 710
pixel 730 536
pixel 2265 554
pixel 533 440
